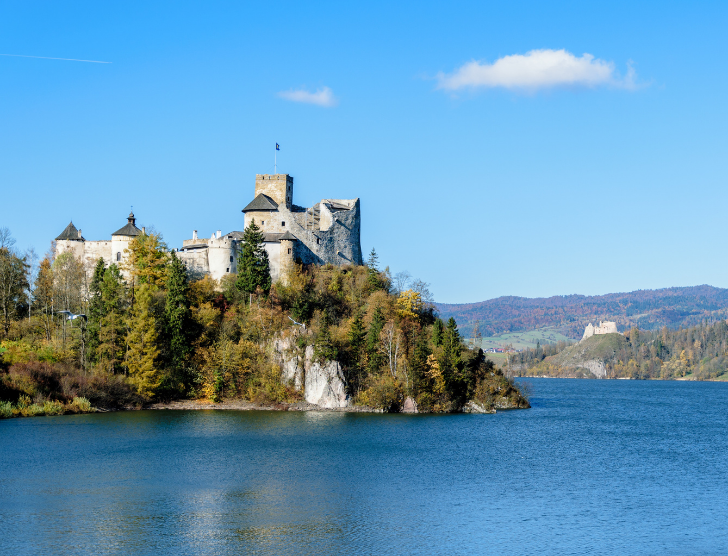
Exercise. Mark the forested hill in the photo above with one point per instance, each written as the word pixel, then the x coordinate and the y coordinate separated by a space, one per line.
pixel 646 309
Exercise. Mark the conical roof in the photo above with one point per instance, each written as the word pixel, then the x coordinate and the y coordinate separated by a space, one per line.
pixel 130 229
pixel 261 202
pixel 70 233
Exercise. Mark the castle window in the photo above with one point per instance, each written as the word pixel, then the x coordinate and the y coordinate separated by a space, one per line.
pixel 283 223
pixel 318 240
pixel 227 270
pixel 231 259
pixel 289 250
pixel 262 222
pixel 118 256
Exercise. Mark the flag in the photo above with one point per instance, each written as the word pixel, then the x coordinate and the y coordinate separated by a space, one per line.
pixel 278 147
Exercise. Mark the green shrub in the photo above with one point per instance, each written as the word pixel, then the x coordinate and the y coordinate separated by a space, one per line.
pixel 23 402
pixel 82 405
pixel 53 408
pixel 31 410
pixel 6 410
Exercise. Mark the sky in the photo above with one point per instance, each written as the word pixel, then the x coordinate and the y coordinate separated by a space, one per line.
pixel 514 148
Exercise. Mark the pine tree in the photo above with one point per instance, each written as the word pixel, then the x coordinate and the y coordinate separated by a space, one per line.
pixel 375 329
pixel 95 309
pixel 374 281
pixel 253 264
pixel 177 314
pixel 437 333
pixel 357 336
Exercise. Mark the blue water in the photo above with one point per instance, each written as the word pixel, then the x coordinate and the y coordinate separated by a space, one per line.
pixel 595 467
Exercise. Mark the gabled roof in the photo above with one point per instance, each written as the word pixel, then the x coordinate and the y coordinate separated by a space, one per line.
pixel 70 233
pixel 288 235
pixel 261 202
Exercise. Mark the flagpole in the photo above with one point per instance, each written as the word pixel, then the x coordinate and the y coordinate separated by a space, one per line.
pixel 275 162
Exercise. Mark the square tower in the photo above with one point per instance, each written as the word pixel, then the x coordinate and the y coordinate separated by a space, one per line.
pixel 278 187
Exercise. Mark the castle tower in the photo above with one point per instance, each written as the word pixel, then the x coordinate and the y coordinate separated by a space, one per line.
pixel 121 238
pixel 71 240
pixel 278 187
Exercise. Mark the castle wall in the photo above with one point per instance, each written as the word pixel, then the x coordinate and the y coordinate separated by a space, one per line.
pixel 276 222
pixel 195 261
pixel 273 248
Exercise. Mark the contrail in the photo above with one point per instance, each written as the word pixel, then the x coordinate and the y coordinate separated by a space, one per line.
pixel 48 58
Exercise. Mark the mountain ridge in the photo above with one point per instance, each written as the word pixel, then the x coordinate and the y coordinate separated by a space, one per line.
pixel 648 309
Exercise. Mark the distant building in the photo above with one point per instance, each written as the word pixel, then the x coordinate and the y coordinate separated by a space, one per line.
pixel 605 327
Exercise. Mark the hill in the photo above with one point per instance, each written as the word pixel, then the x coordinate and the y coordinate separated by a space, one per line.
pixel 694 353
pixel 646 309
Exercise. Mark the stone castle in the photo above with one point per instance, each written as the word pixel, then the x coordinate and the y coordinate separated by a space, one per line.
pixel 327 233
pixel 605 327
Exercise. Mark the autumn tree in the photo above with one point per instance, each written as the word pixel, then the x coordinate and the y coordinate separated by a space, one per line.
pixel 13 280
pixel 43 295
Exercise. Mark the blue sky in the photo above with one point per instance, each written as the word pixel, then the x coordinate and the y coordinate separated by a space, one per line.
pixel 497 149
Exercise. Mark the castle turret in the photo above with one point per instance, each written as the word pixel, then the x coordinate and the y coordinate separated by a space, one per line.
pixel 121 238
pixel 288 254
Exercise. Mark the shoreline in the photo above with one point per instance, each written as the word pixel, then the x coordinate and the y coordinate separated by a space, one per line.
pixel 242 405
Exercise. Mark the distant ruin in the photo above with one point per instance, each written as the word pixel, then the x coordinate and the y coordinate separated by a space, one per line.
pixel 605 327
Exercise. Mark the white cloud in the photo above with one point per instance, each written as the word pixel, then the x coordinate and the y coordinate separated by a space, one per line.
pixel 537 69
pixel 322 97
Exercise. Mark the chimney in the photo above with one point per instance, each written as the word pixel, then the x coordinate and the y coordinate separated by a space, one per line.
pixel 144 229
pixel 194 234
pixel 219 234
pixel 79 233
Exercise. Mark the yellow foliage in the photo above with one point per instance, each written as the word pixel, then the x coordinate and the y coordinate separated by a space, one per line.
pixel 409 304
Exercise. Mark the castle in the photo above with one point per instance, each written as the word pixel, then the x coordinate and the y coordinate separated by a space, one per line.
pixel 605 327
pixel 327 233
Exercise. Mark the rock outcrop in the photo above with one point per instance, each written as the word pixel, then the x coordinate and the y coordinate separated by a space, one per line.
pixel 409 406
pixel 323 382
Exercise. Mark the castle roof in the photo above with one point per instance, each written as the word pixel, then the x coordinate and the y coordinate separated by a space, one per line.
pixel 261 202
pixel 130 229
pixel 288 235
pixel 70 233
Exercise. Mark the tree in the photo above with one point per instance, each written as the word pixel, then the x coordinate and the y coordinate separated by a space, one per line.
pixel 43 295
pixel 95 308
pixel 110 350
pixel 437 333
pixel 357 336
pixel 374 356
pixel 177 314
pixel 147 259
pixel 374 280
pixel 143 351
pixel 253 264
pixel 13 280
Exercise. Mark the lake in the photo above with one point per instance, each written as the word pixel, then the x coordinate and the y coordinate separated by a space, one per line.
pixel 595 467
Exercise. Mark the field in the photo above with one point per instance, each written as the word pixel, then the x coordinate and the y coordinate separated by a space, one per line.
pixel 527 339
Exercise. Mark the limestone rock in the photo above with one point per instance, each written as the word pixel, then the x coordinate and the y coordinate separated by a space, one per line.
pixel 410 405
pixel 286 355
pixel 475 407
pixel 324 383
